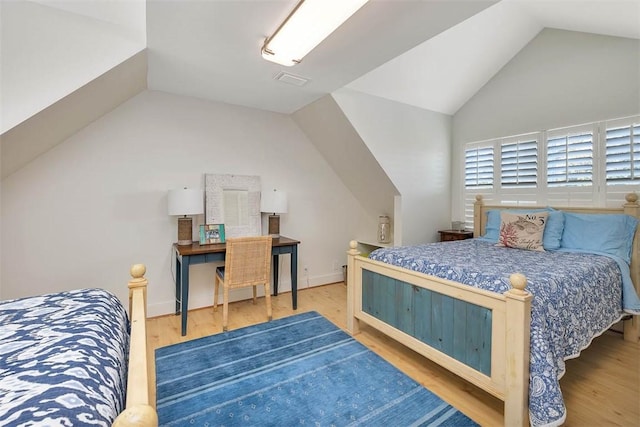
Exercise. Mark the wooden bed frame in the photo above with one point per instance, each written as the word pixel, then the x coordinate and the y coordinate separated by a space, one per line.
pixel 509 319
pixel 138 412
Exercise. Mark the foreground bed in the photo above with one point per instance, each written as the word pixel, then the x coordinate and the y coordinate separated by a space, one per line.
pixel 73 358
pixel 464 318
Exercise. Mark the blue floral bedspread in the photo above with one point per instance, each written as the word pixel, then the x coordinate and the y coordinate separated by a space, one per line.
pixel 63 359
pixel 577 296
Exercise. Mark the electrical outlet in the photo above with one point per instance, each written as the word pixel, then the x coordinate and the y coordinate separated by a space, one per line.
pixel 336 266
pixel 306 270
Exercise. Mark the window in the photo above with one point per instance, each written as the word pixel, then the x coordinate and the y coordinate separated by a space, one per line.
pixel 478 167
pixel 594 164
pixel 623 153
pixel 570 157
pixel 519 163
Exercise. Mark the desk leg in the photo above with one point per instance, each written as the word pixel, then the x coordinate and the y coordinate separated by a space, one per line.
pixel 275 275
pixel 184 279
pixel 178 282
pixel 294 277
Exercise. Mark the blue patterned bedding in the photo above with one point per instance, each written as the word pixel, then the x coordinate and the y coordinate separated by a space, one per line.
pixel 63 359
pixel 577 296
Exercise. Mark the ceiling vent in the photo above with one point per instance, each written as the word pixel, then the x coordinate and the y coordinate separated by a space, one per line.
pixel 291 79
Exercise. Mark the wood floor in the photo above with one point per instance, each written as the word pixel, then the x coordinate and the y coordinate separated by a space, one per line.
pixel 601 387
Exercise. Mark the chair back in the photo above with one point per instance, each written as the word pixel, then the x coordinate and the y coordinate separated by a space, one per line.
pixel 247 261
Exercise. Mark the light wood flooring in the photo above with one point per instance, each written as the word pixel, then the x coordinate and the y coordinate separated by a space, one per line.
pixel 601 387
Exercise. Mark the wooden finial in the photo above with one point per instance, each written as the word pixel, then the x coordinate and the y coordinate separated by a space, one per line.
pixel 478 197
pixel 353 248
pixel 631 198
pixel 518 282
pixel 137 271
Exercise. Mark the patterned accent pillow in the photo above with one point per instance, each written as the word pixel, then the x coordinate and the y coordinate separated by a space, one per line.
pixel 523 231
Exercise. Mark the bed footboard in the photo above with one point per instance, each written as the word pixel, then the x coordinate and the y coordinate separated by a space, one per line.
pixel 138 411
pixel 432 316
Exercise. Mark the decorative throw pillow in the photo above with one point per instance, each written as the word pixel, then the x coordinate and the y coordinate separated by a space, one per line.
pixel 523 231
pixel 552 230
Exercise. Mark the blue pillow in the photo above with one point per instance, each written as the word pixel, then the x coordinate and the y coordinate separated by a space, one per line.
pixel 611 234
pixel 552 230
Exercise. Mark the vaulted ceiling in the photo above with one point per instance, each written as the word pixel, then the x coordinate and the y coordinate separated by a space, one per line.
pixel 429 53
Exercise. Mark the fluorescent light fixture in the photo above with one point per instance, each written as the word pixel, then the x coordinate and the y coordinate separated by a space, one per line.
pixel 310 22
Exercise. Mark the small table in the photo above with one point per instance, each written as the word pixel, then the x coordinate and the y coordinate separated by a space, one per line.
pixel 197 254
pixel 451 235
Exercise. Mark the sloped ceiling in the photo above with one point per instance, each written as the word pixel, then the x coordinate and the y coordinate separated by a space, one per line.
pixel 430 53
pixel 50 48
pixel 445 71
pixel 212 49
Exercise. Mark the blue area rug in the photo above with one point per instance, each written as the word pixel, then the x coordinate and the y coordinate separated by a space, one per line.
pixel 300 370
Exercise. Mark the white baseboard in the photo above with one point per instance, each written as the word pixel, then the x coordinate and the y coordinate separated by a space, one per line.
pixel 205 299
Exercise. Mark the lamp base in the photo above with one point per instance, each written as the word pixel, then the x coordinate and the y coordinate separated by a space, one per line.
pixel 274 226
pixel 185 231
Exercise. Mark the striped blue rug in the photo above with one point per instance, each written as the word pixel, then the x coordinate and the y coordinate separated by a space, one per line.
pixel 300 370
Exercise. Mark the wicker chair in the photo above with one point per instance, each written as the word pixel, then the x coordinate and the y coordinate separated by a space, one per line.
pixel 247 263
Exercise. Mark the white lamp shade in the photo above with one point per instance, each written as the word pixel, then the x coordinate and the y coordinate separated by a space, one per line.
pixel 273 201
pixel 186 201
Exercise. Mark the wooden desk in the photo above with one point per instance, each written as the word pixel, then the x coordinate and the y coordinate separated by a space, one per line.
pixel 198 254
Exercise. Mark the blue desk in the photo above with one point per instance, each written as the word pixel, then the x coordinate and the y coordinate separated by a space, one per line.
pixel 199 254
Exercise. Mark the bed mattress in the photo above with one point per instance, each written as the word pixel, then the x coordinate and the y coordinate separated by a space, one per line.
pixel 63 359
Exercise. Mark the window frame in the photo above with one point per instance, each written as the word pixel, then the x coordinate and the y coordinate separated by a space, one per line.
pixel 631 123
pixel 599 193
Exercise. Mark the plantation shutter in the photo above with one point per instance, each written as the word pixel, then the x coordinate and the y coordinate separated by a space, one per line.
pixel 519 163
pixel 478 167
pixel 623 153
pixel 570 158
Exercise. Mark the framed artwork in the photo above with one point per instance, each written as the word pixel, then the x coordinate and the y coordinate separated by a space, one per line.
pixel 211 233
pixel 233 200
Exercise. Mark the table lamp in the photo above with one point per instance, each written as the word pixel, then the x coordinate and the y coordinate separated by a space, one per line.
pixel 274 202
pixel 185 201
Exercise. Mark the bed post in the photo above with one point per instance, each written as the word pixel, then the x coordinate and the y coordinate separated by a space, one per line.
pixel 138 283
pixel 632 326
pixel 138 412
pixel 518 322
pixel 352 323
pixel 478 223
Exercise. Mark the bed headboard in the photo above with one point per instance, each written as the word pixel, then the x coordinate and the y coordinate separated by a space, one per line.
pixel 631 207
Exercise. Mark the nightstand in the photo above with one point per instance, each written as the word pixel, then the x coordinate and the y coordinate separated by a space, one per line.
pixel 450 235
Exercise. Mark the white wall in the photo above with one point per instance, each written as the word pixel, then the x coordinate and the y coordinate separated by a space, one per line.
pixel 327 127
pixel 413 146
pixel 561 78
pixel 82 213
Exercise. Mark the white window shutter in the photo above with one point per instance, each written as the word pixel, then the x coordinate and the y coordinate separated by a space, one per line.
pixel 622 142
pixel 570 157
pixel 478 167
pixel 519 162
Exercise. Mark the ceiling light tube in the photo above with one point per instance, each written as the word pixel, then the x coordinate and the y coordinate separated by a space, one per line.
pixel 310 22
